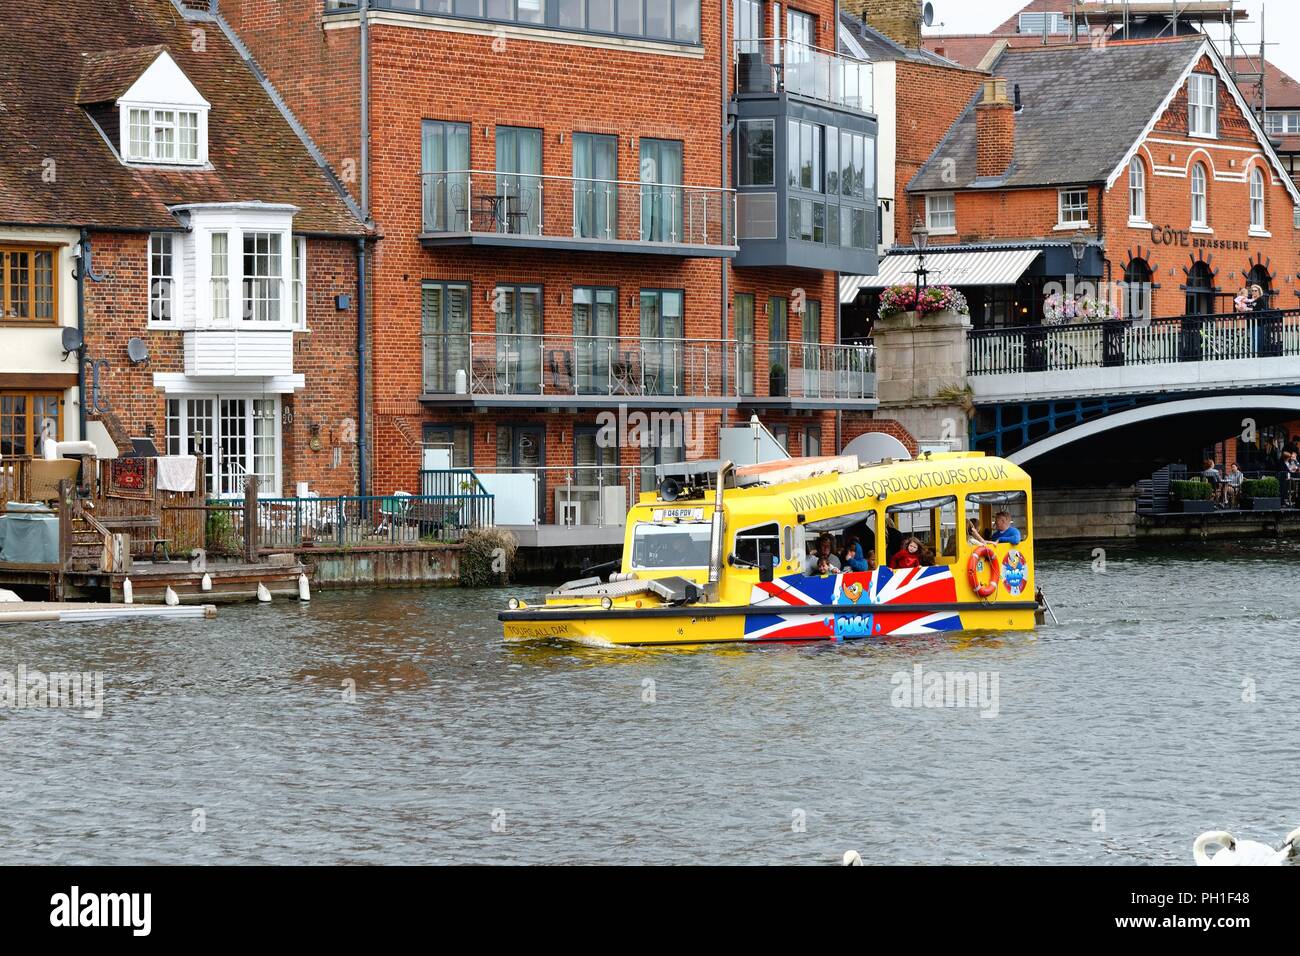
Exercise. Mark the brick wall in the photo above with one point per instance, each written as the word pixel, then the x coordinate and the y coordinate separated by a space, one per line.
pixel 324 411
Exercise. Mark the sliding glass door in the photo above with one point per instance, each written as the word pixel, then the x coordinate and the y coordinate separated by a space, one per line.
pixel 595 194
pixel 518 203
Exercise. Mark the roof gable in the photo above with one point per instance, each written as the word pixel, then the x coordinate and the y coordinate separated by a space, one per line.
pixel 164 83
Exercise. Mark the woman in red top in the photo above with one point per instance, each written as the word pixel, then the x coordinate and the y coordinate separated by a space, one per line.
pixel 908 556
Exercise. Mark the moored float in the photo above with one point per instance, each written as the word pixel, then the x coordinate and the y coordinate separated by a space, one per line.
pixel 724 556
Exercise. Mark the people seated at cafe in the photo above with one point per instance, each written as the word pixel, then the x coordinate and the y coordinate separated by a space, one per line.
pixel 823 551
pixel 909 555
pixel 1211 473
pixel 1230 487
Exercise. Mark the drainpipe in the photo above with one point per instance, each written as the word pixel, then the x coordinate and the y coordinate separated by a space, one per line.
pixel 82 266
pixel 722 175
pixel 364 7
pixel 363 470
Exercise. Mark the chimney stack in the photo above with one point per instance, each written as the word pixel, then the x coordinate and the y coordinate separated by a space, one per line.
pixel 995 130
pixel 900 20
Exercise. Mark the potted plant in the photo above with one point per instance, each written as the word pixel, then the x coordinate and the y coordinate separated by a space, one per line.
pixel 1196 495
pixel 899 299
pixel 1261 494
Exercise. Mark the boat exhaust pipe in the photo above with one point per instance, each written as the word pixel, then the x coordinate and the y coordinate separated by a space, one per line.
pixel 715 544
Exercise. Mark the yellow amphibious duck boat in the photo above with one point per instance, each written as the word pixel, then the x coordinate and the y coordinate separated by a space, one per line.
pixel 725 557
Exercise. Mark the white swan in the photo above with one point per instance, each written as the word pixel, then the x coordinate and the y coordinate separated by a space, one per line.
pixel 853 858
pixel 1243 852
pixel 170 598
pixel 206 583
pixel 263 594
pixel 304 588
pixel 128 591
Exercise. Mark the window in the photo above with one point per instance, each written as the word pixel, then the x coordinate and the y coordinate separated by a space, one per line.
pixel 1137 191
pixel 982 507
pixel 519 170
pixel 1202 105
pixel 220 268
pixel 1137 289
pixel 663 341
pixel 595 338
pixel 24 418
pixel 28 284
pixel 941 213
pixel 933 521
pixel 756 153
pixel 677 20
pixel 595 462
pixel 812 441
pixel 1282 124
pixel 857 160
pixel 1257 219
pixel 778 335
pixel 1073 207
pixel 812 349
pixel 1199 201
pixel 444 321
pixel 518 311
pixel 1036 23
pixel 595 194
pixel 163 136
pixel 300 282
pixel 747 25
pixel 744 319
pixel 263 276
pixel 444 164
pixel 237 438
pixel 804 156
pixel 661 190
pixel 162 277
pixel 753 543
pixel 455 441
pixel 659 546
pixel 1200 289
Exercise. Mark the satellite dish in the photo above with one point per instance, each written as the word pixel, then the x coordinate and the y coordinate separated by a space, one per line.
pixel 669 489
pixel 72 340
pixel 927 14
pixel 137 351
pixel 877 446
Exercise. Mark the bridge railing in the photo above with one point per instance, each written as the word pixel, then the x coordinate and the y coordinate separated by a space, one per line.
pixel 1117 343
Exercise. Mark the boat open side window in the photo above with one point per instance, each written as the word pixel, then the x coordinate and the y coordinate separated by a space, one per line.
pixel 983 507
pixel 763 539
pixel 684 545
pixel 932 521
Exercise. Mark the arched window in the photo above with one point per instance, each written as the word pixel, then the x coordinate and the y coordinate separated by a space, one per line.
pixel 1200 215
pixel 1200 289
pixel 1257 198
pixel 1258 275
pixel 1137 190
pixel 1137 289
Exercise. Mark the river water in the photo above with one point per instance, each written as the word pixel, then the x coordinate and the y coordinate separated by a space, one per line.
pixel 1164 704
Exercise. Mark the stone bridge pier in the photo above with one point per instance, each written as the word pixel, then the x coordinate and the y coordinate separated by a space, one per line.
pixel 921 376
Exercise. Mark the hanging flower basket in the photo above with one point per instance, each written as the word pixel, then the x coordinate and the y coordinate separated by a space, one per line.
pixel 936 298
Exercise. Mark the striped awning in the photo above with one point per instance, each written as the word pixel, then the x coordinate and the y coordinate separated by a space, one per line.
pixel 998 267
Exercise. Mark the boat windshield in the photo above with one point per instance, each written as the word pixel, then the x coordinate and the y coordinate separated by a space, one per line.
pixel 658 546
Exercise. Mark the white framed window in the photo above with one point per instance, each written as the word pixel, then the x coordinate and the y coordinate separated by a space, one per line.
pixel 162 277
pixel 1137 191
pixel 263 276
pixel 941 213
pixel 1055 22
pixel 1200 203
pixel 1072 207
pixel 1282 124
pixel 1257 209
pixel 300 282
pixel 1202 105
pixel 221 277
pixel 238 438
pixel 163 135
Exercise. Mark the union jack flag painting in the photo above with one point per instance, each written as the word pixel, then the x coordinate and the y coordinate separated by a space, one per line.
pixel 784 597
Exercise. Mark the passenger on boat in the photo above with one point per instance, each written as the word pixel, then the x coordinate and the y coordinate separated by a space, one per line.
pixel 853 559
pixel 973 536
pixel 822 552
pixel 909 555
pixel 871 560
pixel 1004 532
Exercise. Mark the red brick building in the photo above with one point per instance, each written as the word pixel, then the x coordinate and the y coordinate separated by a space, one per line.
pixel 1139 157
pixel 585 206
pixel 160 209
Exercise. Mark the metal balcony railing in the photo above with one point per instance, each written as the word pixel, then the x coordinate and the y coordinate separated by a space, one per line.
pixel 485 202
pixel 485 363
pixel 1111 344
pixel 773 65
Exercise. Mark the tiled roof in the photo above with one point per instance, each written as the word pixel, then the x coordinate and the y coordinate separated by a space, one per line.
pixel 105 76
pixel 1083 108
pixel 1281 90
pixel 56 168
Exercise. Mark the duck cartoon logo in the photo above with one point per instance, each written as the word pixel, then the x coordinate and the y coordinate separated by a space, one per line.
pixel 1015 572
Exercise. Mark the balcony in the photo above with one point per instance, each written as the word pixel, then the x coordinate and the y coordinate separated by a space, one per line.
pixel 772 65
pixel 485 208
pixel 487 369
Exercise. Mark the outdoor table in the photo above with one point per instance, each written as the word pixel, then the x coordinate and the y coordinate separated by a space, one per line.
pixel 29 538
pixel 492 205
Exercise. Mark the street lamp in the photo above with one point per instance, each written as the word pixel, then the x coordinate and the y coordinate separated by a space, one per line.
pixel 1079 249
pixel 920 239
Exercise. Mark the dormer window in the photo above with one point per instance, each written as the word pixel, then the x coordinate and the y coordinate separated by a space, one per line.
pixel 162 136
pixel 145 106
